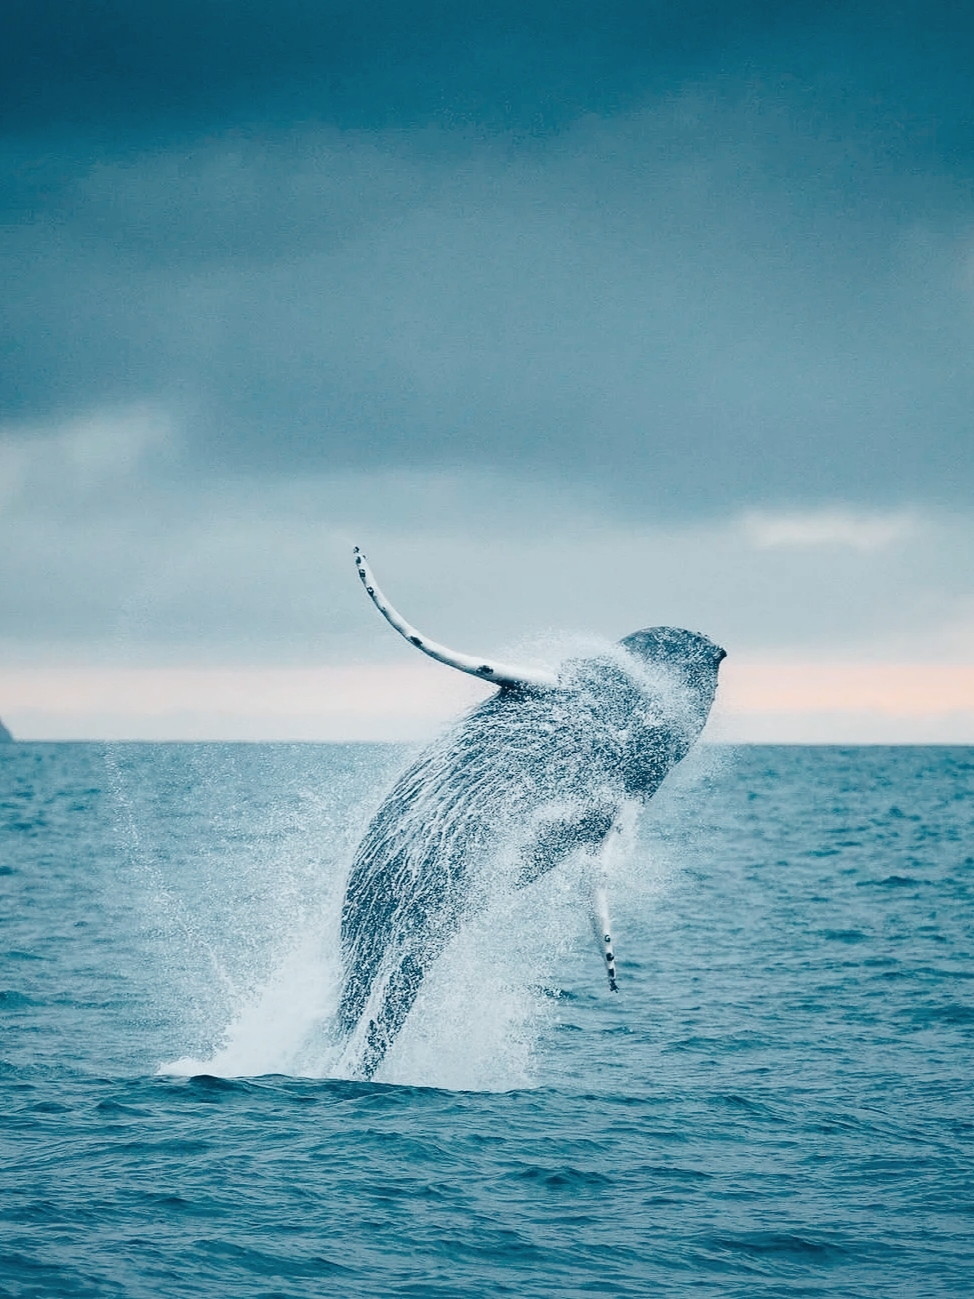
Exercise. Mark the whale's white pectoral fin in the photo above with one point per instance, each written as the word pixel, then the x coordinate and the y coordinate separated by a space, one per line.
pixel 603 931
pixel 501 674
pixel 616 843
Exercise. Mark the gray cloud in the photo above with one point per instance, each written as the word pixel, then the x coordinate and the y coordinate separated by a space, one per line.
pixel 666 304
pixel 103 561
pixel 129 69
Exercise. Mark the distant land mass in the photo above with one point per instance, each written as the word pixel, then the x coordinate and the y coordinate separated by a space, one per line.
pixel 5 736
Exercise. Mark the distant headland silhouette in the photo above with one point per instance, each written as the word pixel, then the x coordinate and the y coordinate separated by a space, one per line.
pixel 5 736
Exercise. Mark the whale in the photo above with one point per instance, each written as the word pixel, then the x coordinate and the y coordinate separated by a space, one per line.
pixel 552 765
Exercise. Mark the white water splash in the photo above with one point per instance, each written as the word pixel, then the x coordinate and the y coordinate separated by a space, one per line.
pixel 276 1031
pixel 474 1027
pixel 483 1009
pixel 484 1005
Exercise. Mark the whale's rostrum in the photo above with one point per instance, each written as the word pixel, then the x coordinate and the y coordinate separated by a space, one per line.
pixel 550 765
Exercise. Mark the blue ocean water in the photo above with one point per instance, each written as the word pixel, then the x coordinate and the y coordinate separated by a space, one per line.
pixel 779 1100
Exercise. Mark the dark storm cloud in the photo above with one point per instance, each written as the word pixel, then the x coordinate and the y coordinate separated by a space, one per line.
pixel 120 71
pixel 175 65
pixel 705 253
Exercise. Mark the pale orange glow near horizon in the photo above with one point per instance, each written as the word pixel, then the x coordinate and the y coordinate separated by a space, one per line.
pixel 897 689
pixel 370 702
pixel 845 703
pixel 758 701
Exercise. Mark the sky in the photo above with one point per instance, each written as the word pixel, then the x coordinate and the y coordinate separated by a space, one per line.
pixel 578 317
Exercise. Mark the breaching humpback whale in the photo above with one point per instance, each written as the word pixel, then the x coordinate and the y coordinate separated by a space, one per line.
pixel 550 765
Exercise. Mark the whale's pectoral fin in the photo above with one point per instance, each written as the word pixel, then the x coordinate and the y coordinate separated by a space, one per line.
pixel 507 676
pixel 603 933
pixel 556 839
pixel 613 845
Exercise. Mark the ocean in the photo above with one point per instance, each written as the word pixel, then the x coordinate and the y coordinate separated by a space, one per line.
pixel 778 1101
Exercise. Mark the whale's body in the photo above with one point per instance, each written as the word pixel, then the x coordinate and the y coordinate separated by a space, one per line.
pixel 544 768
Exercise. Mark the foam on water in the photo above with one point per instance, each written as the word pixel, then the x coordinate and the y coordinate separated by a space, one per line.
pixel 277 1029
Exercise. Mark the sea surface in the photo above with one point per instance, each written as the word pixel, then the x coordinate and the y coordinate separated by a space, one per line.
pixel 778 1101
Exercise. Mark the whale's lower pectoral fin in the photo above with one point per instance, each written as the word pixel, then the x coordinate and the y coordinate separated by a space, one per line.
pixel 598 833
pixel 603 932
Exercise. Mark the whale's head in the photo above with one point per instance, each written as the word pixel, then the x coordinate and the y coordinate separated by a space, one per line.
pixel 680 682
pixel 692 658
